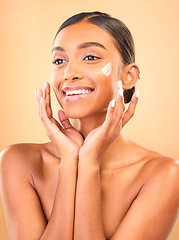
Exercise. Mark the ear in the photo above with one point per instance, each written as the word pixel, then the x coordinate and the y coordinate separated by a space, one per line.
pixel 130 76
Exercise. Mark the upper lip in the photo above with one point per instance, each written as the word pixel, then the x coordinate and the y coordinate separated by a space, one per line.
pixel 65 89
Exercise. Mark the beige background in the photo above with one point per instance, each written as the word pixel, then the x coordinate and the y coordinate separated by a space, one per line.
pixel 27 29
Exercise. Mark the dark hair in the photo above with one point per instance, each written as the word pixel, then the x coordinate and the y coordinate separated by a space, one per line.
pixel 117 29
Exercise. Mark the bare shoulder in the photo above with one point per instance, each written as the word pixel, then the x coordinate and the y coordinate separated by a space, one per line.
pixel 154 210
pixel 19 154
pixel 162 175
pixel 17 151
pixel 162 165
pixel 154 165
pixel 23 158
pixel 19 166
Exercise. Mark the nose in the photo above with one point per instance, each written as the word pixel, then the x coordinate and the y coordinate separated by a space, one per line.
pixel 72 72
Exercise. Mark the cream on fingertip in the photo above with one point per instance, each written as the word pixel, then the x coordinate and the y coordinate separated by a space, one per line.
pixel 137 94
pixel 119 84
pixel 121 91
pixel 113 103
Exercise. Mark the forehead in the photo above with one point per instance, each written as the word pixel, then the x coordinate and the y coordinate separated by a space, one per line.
pixel 81 32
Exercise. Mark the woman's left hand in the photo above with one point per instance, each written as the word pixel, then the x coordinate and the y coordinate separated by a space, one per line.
pixel 100 138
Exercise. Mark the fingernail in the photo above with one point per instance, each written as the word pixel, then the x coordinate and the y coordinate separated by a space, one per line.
pixel 113 103
pixel 121 91
pixel 119 84
pixel 35 92
pixel 137 94
pixel 45 84
pixel 41 99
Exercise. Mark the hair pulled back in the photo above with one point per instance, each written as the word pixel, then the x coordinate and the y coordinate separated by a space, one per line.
pixel 119 32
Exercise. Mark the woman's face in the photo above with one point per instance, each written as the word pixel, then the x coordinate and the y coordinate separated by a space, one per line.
pixel 87 66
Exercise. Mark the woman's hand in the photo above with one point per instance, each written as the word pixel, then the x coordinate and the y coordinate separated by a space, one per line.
pixel 65 137
pixel 99 139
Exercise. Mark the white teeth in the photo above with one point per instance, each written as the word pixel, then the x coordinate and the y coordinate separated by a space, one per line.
pixel 75 92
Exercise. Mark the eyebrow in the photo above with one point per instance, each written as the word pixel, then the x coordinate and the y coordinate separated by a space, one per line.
pixel 91 44
pixel 82 45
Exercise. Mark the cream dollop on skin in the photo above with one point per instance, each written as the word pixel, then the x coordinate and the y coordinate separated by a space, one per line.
pixel 107 69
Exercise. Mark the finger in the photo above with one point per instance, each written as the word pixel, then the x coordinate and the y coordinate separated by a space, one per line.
pixel 64 120
pixel 114 116
pixel 47 98
pixel 38 95
pixel 50 124
pixel 43 114
pixel 109 116
pixel 131 109
pixel 119 110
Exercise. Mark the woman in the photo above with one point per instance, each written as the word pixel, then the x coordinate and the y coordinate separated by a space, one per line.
pixel 90 181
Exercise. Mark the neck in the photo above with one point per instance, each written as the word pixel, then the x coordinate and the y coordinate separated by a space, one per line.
pixel 118 152
pixel 87 124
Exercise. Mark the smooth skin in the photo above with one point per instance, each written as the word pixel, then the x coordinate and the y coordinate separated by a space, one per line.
pixel 90 181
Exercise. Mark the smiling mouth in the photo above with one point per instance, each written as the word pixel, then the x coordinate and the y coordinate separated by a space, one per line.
pixel 72 94
pixel 75 93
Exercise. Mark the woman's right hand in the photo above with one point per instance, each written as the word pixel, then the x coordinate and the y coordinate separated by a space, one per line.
pixel 64 136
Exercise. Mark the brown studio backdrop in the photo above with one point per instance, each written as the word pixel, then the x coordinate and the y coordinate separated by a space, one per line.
pixel 26 34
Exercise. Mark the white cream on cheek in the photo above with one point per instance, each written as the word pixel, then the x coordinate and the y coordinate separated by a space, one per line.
pixel 107 69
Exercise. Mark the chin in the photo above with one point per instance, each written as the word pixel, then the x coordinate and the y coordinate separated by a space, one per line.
pixel 84 113
pixel 75 113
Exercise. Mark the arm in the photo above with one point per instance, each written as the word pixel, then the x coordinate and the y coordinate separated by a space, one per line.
pixel 155 210
pixel 24 214
pixel 23 210
pixel 88 216
pixel 60 225
pixel 151 215
pixel 67 142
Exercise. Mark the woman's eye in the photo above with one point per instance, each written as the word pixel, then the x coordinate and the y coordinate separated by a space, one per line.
pixel 91 57
pixel 58 61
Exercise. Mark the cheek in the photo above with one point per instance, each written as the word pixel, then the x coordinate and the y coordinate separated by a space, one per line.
pixel 105 81
pixel 53 78
pixel 100 74
pixel 56 79
pixel 108 80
